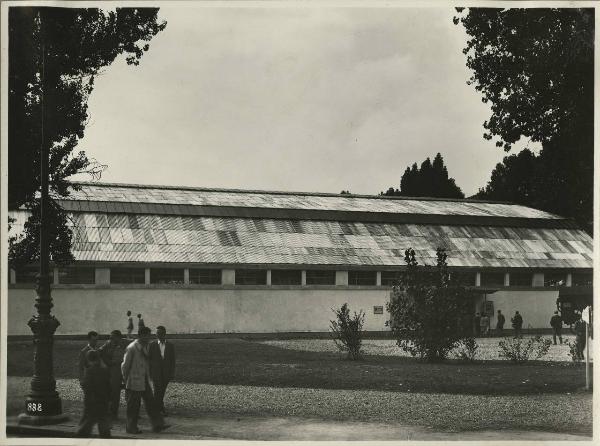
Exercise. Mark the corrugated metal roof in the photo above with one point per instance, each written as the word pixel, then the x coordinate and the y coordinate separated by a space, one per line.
pixel 157 195
pixel 164 238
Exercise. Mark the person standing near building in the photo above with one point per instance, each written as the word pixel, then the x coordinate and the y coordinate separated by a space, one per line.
pixel 141 323
pixel 476 324
pixel 112 355
pixel 136 374
pixel 517 324
pixel 580 339
pixel 162 365
pixel 484 323
pixel 500 320
pixel 92 337
pixel 129 324
pixel 556 324
pixel 96 389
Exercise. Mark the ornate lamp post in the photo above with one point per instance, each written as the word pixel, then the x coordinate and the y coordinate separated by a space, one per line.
pixel 43 405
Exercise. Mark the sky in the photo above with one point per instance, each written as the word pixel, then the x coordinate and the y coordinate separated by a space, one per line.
pixel 295 98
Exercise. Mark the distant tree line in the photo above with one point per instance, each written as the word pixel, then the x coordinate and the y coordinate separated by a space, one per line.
pixel 431 180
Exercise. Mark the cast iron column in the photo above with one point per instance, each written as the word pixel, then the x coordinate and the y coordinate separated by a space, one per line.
pixel 43 405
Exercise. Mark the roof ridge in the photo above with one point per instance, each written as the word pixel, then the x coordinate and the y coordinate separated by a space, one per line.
pixel 272 192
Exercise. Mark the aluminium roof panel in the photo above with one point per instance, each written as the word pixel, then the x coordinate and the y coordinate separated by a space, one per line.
pixel 205 197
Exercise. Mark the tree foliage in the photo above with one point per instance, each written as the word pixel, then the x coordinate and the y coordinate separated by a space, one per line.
pixel 55 55
pixel 535 67
pixel 429 309
pixel 513 180
pixel 431 180
pixel 346 331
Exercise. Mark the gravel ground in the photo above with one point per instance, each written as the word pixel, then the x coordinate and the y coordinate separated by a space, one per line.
pixel 570 413
pixel 488 347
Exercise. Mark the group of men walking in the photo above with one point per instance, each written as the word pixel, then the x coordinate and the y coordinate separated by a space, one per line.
pixel 481 324
pixel 481 327
pixel 143 368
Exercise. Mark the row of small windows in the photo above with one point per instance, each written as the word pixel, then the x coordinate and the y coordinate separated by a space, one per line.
pixel 211 276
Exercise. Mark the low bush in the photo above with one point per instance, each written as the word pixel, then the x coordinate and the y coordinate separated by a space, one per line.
pixel 466 349
pixel 520 350
pixel 574 352
pixel 346 331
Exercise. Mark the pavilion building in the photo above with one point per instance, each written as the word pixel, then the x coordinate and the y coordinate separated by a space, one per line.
pixel 200 260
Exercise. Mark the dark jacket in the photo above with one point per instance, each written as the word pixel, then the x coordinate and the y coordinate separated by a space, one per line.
pixel 500 321
pixel 161 370
pixel 83 362
pixel 517 321
pixel 96 388
pixel 556 321
pixel 112 356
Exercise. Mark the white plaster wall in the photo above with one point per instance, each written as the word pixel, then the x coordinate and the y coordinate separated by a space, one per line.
pixel 198 310
pixel 236 309
pixel 536 307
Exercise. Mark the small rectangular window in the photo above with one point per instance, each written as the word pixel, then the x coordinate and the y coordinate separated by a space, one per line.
pixel 127 275
pixel 166 276
pixel 250 277
pixel 27 274
pixel 555 279
pixel 320 277
pixel 493 279
pixel 390 278
pixel 520 279
pixel 286 277
pixel 362 278
pixel 582 279
pixel 78 275
pixel 209 276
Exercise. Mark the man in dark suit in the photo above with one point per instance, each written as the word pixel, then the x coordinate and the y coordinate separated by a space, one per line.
pixel 162 365
pixel 83 362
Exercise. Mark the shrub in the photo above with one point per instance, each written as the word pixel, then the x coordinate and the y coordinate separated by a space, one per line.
pixel 466 349
pixel 346 331
pixel 574 352
pixel 430 311
pixel 519 350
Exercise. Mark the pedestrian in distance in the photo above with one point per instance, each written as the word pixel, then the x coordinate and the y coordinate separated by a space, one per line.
pixel 162 366
pixel 556 324
pixel 580 338
pixel 500 320
pixel 476 324
pixel 92 344
pixel 141 323
pixel 484 323
pixel 517 324
pixel 138 384
pixel 111 354
pixel 129 324
pixel 96 390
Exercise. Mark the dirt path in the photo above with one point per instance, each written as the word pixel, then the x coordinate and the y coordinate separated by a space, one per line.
pixel 226 421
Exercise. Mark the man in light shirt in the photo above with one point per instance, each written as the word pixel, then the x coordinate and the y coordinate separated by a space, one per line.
pixel 138 384
pixel 162 365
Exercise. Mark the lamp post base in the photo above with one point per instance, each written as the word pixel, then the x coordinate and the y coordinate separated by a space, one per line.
pixel 42 420
pixel 43 408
